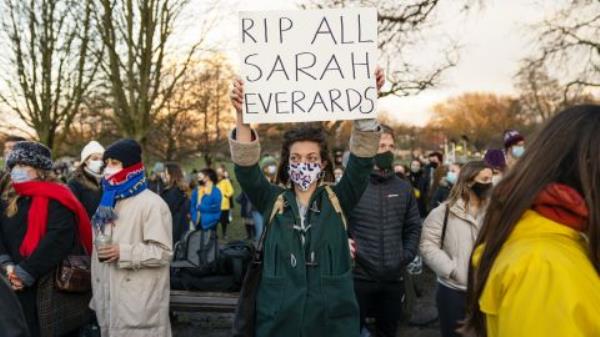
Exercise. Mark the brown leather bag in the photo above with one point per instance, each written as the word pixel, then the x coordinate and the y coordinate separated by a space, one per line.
pixel 73 274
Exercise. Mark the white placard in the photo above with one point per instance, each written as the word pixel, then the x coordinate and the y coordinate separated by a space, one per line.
pixel 308 65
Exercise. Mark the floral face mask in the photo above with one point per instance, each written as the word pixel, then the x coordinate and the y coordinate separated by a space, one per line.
pixel 304 174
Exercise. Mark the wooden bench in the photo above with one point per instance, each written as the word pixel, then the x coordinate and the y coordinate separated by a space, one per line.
pixel 198 301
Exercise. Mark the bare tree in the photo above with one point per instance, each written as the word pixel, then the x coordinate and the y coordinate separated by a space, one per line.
pixel 479 117
pixel 175 135
pixel 400 28
pixel 540 95
pixel 198 115
pixel 138 37
pixel 570 43
pixel 48 63
pixel 212 104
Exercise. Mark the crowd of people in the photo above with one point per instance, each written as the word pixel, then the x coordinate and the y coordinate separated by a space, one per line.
pixel 513 237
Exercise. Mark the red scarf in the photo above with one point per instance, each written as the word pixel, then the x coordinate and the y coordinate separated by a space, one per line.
pixel 562 204
pixel 41 192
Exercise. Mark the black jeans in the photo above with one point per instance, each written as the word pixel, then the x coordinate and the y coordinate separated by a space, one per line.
pixel 383 301
pixel 452 305
pixel 224 220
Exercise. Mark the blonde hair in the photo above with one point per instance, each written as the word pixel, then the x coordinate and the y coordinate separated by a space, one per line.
pixel 12 198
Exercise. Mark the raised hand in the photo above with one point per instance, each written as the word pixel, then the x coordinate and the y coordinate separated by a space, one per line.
pixel 237 96
pixel 243 132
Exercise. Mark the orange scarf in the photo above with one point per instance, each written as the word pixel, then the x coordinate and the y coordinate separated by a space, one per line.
pixel 562 204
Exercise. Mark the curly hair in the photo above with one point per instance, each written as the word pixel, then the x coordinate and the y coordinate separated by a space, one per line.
pixel 305 133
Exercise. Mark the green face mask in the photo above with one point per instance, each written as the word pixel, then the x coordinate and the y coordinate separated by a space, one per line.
pixel 384 160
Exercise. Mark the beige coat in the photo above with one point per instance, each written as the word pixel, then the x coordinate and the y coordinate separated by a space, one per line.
pixel 131 297
pixel 451 264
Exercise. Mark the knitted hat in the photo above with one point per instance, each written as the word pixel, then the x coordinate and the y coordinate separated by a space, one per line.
pixel 31 154
pixel 512 137
pixel 90 149
pixel 127 151
pixel 495 159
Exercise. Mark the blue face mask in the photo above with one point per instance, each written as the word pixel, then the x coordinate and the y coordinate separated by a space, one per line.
pixel 19 175
pixel 518 151
pixel 452 177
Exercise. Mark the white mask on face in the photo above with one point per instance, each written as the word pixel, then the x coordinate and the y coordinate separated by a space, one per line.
pixel 496 179
pixel 111 171
pixel 94 166
pixel 271 169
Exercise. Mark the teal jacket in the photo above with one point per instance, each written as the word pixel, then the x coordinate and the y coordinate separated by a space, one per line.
pixel 306 290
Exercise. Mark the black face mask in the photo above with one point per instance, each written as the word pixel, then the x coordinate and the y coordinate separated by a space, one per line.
pixel 434 164
pixel 481 190
pixel 201 183
pixel 384 160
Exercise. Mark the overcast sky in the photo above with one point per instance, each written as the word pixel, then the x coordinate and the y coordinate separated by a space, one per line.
pixel 493 39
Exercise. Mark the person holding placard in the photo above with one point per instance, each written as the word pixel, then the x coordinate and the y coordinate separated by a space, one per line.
pixel 306 287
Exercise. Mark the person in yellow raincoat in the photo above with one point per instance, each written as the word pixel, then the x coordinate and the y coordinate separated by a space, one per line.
pixel 224 185
pixel 535 271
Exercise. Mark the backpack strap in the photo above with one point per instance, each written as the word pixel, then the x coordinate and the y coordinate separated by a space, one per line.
pixel 278 208
pixel 335 202
pixel 446 215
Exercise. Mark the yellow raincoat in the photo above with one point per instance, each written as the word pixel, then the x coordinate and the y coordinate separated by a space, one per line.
pixel 227 191
pixel 542 283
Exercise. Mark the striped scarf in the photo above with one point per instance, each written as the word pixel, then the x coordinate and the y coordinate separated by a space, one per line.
pixel 126 183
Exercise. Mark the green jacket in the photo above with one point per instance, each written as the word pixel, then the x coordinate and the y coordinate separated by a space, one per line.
pixel 306 290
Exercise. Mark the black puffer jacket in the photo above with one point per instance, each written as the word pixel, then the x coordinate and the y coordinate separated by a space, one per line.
pixel 386 226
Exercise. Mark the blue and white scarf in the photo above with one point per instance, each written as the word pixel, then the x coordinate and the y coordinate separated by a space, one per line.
pixel 126 183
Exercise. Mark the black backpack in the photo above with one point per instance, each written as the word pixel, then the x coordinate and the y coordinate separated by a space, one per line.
pixel 199 265
pixel 197 253
pixel 234 259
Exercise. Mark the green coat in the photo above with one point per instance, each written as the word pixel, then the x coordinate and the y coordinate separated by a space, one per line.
pixel 297 298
